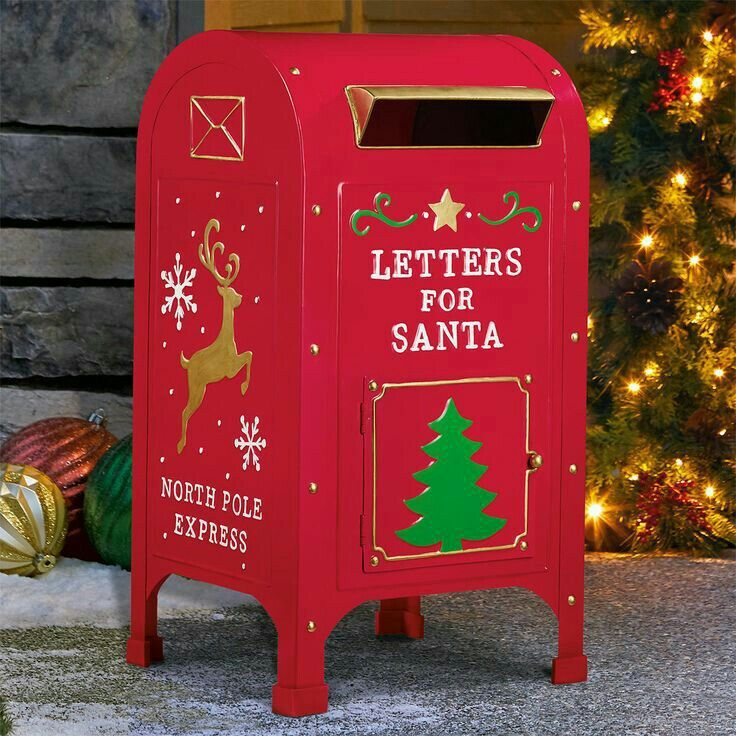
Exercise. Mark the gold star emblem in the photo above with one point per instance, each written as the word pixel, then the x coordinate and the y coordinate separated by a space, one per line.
pixel 446 211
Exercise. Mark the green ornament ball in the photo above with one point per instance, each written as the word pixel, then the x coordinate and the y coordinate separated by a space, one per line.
pixel 107 504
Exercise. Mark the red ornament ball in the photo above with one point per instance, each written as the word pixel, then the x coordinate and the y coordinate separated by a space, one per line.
pixel 66 449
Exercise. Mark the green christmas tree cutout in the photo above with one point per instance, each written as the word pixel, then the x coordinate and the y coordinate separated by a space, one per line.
pixel 452 504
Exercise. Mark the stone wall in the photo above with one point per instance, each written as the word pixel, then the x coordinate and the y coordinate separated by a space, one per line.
pixel 72 80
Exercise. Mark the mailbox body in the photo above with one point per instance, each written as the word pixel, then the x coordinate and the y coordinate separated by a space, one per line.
pixel 283 407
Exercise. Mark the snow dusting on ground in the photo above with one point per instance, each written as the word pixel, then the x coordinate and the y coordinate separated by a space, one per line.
pixel 78 593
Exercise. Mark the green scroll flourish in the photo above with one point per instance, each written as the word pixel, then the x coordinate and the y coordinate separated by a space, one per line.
pixel 515 211
pixel 378 201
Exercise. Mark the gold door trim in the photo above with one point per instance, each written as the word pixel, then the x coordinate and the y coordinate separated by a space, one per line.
pixel 529 471
pixel 362 99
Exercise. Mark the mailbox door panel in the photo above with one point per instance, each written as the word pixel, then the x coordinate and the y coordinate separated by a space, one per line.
pixel 446 320
pixel 448 471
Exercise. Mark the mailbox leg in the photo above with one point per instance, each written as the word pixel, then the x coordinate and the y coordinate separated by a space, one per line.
pixel 144 645
pixel 300 689
pixel 570 665
pixel 400 616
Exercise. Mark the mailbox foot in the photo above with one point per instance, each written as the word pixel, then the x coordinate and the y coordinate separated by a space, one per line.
pixel 142 652
pixel 299 701
pixel 566 670
pixel 400 617
pixel 300 688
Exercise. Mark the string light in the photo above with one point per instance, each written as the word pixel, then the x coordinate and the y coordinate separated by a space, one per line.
pixel 634 477
pixel 679 179
pixel 697 97
pixel 633 387
pixel 710 491
pixel 696 83
pixel 599 119
pixel 646 241
pixel 719 372
pixel 651 370
pixel 694 259
pixel 678 462
pixel 707 36
pixel 594 510
pixel 722 432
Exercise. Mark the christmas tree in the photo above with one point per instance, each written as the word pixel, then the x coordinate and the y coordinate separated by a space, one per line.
pixel 451 506
pixel 658 86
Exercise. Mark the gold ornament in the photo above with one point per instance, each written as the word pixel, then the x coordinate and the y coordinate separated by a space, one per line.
pixel 32 520
pixel 446 211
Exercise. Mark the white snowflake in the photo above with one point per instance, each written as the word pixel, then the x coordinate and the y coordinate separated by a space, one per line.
pixel 178 286
pixel 252 442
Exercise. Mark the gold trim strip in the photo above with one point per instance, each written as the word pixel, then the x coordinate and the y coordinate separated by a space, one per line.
pixel 362 99
pixel 529 471
pixel 454 93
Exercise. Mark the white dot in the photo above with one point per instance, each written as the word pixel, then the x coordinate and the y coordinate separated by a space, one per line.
pixel 164 343
pixel 242 227
pixel 242 567
pixel 227 476
pixel 201 329
pixel 171 392
pixel 193 232
pixel 425 215
pixel 219 422
pixel 257 299
pixel 201 450
pixel 178 199
pixel 260 210
pixel 161 458
pixel 468 215
pixel 217 195
pixel 165 535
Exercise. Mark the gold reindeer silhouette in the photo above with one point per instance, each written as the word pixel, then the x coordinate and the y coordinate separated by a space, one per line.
pixel 221 358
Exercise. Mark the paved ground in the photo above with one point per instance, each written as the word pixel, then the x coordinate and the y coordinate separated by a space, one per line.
pixel 660 642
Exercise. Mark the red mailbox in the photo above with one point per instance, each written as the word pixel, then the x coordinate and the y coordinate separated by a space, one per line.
pixel 360 333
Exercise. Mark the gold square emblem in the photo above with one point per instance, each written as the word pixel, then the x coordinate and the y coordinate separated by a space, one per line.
pixel 217 127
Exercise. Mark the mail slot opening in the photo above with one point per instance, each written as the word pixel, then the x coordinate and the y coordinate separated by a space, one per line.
pixel 455 117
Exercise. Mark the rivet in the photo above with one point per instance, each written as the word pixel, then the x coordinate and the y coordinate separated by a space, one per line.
pixel 576 205
pixel 535 460
pixel 556 72
pixel 294 70
pixel 575 336
pixel 523 546
pixel 571 600
pixel 312 487
pixel 316 210
pixel 372 385
pixel 573 469
pixel 374 561
pixel 528 378
pixel 314 349
pixel 311 627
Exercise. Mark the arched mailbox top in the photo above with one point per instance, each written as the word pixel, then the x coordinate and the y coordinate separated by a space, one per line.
pixel 394 91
